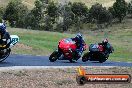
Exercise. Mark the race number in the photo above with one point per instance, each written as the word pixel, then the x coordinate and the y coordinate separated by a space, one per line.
pixel 14 41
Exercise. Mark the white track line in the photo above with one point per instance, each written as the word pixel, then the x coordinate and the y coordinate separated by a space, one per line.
pixel 48 67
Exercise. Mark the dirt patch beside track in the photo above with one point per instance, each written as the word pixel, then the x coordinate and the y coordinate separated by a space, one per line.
pixel 57 78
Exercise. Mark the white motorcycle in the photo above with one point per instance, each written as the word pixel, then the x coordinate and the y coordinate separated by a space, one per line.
pixel 5 48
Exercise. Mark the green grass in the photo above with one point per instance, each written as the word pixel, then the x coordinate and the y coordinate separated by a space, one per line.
pixel 42 43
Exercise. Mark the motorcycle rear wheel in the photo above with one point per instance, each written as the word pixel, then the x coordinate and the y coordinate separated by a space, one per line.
pixel 3 57
pixel 54 56
pixel 102 60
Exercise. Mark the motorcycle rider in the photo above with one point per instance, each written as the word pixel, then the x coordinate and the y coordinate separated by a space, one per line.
pixel 80 43
pixel 4 34
pixel 105 44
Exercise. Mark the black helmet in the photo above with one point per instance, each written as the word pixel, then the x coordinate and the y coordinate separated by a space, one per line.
pixel 105 41
pixel 79 36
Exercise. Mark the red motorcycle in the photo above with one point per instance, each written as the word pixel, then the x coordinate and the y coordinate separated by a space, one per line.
pixel 98 52
pixel 66 51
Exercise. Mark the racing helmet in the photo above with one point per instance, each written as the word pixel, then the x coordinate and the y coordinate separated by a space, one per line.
pixel 79 36
pixel 105 41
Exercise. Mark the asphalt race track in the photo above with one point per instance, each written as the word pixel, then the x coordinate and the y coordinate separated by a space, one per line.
pixel 29 60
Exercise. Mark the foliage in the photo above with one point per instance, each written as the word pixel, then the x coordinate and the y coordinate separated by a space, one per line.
pixel 66 17
pixel 14 13
pixel 1 13
pixel 99 15
pixel 119 9
pixel 52 11
pixel 36 15
pixel 80 11
pixel 50 16
pixel 130 8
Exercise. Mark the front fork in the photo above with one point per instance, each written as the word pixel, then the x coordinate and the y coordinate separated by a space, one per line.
pixel 59 53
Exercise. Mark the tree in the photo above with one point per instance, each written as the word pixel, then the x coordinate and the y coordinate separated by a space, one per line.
pixel 130 8
pixel 99 14
pixel 22 14
pixel 120 9
pixel 1 13
pixel 43 15
pixel 30 21
pixel 51 15
pixel 80 10
pixel 66 17
pixel 52 11
pixel 15 12
pixel 48 25
pixel 36 15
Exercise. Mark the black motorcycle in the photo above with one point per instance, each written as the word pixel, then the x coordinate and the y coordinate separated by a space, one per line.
pixel 98 52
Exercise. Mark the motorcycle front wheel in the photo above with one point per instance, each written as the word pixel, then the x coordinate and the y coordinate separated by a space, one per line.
pixel 54 56
pixel 5 55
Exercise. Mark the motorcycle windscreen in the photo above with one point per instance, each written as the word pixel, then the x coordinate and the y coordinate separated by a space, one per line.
pixel 93 48
pixel 69 40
